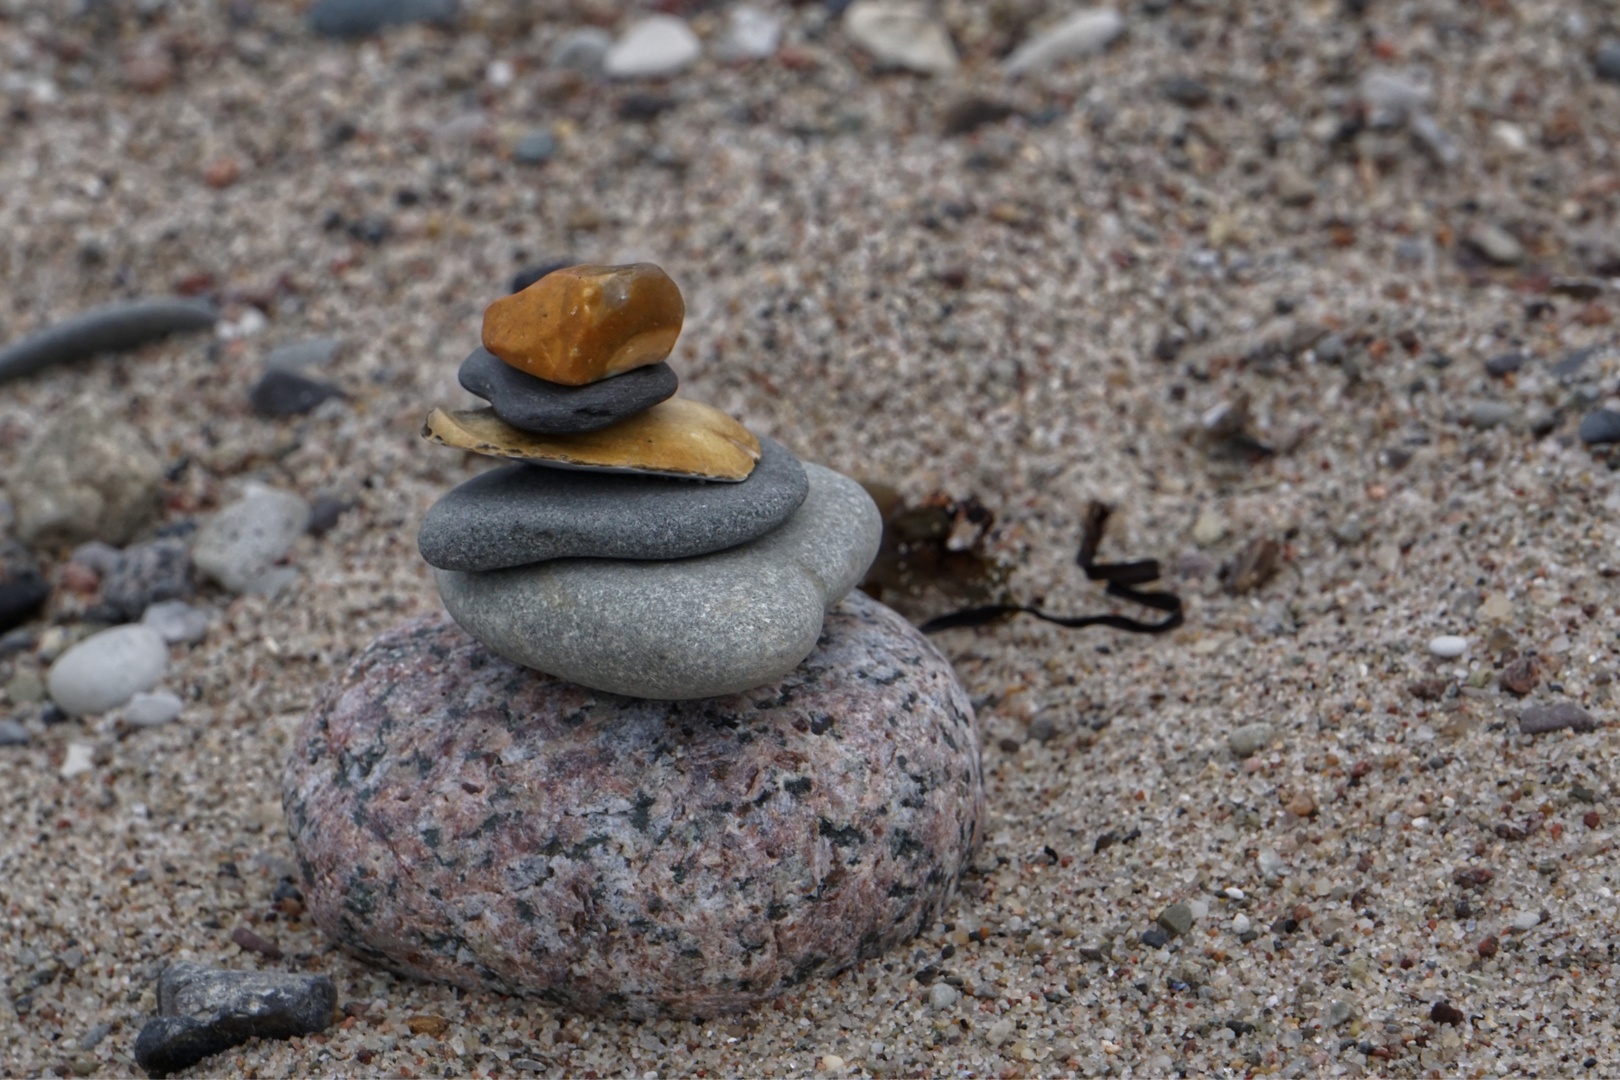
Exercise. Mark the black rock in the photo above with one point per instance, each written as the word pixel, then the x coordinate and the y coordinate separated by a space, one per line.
pixel 531 274
pixel 1155 938
pixel 202 1011
pixel 1185 90
pixel 1602 426
pixel 286 393
pixel 324 513
pixel 361 18
pixel 548 408
pixel 1607 62
pixel 1505 364
pixel 22 589
pixel 109 328
pixel 971 113
pixel 144 574
pixel 1573 361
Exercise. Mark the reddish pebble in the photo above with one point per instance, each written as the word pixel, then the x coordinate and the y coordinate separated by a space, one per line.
pixel 1591 820
pixel 223 173
pixel 1488 947
pixel 76 577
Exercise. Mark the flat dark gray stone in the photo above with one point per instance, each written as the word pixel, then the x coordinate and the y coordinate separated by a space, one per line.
pixel 549 408
pixel 361 18
pixel 109 328
pixel 521 514
pixel 203 1011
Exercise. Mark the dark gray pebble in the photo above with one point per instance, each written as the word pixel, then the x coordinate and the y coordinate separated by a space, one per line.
pixel 361 18
pixel 1607 62
pixel 143 575
pixel 202 1011
pixel 12 733
pixel 1187 91
pixel 531 274
pixel 286 393
pixel 552 409
pixel 324 513
pixel 1505 364
pixel 1602 426
pixel 535 148
pixel 112 327
pixel 1155 938
pixel 521 514
pixel 22 588
pixel 1541 719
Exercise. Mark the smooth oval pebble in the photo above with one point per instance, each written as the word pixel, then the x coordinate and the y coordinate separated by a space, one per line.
pixel 1448 646
pixel 359 18
pixel 520 514
pixel 679 437
pixel 152 709
pixel 459 818
pixel 107 669
pixel 1600 427
pixel 691 628
pixel 109 328
pixel 177 621
pixel 547 408
pixel 657 46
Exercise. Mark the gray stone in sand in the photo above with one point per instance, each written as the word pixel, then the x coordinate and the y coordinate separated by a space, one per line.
pixel 634 858
pixel 361 18
pixel 239 546
pixel 521 514
pixel 691 628
pixel 549 408
pixel 108 328
pixel 203 1011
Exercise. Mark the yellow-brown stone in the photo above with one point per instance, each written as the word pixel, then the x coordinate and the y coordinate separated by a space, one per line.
pixel 584 323
pixel 678 437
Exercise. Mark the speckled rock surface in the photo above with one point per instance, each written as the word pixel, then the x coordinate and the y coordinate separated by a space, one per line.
pixel 460 818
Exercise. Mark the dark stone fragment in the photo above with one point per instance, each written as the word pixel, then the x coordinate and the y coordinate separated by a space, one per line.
pixel 1185 90
pixel 371 229
pixel 548 408
pixel 1472 877
pixel 1155 938
pixel 531 274
pixel 144 574
pixel 644 106
pixel 1519 677
pixel 1505 364
pixel 1573 362
pixel 1428 689
pixel 250 942
pixel 286 393
pixel 109 328
pixel 13 733
pixel 971 113
pixel 1091 952
pixel 1606 64
pixel 1542 719
pixel 324 513
pixel 202 1011
pixel 1444 1012
pixel 362 18
pixel 1240 1027
pixel 1248 936
pixel 22 593
pixel 1600 427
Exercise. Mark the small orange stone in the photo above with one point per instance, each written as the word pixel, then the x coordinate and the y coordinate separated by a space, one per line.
pixel 584 323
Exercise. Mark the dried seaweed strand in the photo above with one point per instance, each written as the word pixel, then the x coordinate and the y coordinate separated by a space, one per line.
pixel 1122 579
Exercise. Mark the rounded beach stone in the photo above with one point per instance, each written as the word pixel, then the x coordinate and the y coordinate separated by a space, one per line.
pixel 520 514
pixel 549 408
pixel 107 669
pixel 459 818
pixel 689 628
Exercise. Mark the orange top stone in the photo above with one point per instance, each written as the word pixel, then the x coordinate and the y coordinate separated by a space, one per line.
pixel 678 437
pixel 584 323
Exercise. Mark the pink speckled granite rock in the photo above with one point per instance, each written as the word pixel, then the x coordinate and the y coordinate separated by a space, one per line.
pixel 460 818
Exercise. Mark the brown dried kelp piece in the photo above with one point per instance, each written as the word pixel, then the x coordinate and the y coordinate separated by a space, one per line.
pixel 1122 579
pixel 932 552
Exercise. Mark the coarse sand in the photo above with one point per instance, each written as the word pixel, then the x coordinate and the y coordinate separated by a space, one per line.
pixel 1077 301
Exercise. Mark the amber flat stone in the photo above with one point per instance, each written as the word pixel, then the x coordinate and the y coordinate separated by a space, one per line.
pixel 584 323
pixel 678 437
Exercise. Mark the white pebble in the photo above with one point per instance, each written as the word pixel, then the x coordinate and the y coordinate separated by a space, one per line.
pixel 1240 924
pixel 177 621
pixel 153 710
pixel 942 995
pixel 239 546
pixel 1448 646
pixel 1199 909
pixel 80 759
pixel 1526 920
pixel 656 46
pixel 107 669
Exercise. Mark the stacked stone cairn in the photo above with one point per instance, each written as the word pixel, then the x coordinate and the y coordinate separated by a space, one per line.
pixel 660 760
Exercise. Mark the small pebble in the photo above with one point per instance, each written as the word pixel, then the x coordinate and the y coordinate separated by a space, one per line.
pixel 535 148
pixel 1505 364
pixel 1489 414
pixel 153 709
pixel 286 393
pixel 1340 1012
pixel 105 670
pixel 177 621
pixel 1448 646
pixel 901 34
pixel 1526 920
pixel 1087 31
pixel 1177 919
pixel 1544 719
pixel 942 996
pixel 1600 427
pixel 1496 244
pixel 239 546
pixel 299 356
pixel 1241 924
pixel 655 47
pixel 361 18
pixel 1185 91
pixel 1606 65
pixel 750 34
pixel 582 50
pixel 110 328
pixel 12 733
pixel 1250 739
